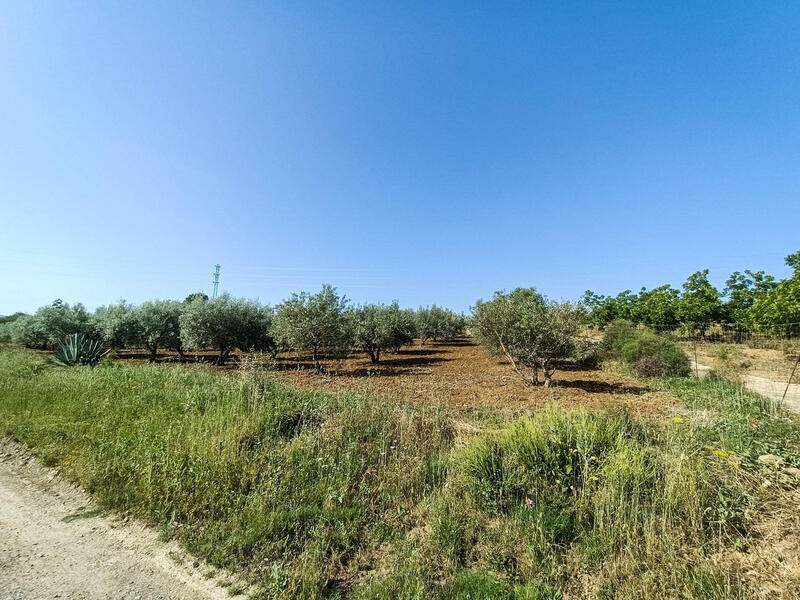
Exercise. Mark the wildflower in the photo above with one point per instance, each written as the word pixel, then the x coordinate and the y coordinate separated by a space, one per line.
pixel 754 422
pixel 677 420
pixel 529 502
pixel 447 485
pixel 323 425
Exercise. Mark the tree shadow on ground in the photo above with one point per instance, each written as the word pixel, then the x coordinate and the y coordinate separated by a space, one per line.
pixel 601 387
pixel 391 366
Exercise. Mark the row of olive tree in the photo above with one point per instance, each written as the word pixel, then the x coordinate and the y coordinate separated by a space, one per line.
pixel 749 298
pixel 319 323
pixel 325 323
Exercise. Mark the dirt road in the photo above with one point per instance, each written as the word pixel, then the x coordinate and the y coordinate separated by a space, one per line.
pixel 766 387
pixel 54 543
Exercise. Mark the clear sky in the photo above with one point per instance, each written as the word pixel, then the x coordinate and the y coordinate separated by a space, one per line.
pixel 424 152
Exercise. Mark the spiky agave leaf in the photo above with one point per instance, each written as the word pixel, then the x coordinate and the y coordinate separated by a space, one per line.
pixel 78 349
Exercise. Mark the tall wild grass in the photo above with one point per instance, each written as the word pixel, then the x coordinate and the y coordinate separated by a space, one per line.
pixel 316 495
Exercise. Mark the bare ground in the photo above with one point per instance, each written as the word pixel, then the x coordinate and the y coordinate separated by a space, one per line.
pixel 55 543
pixel 457 374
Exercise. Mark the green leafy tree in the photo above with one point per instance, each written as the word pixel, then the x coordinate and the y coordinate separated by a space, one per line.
pixel 225 323
pixel 605 309
pixel 315 322
pixel 658 306
pixel 530 331
pixel 781 304
pixel 700 303
pixel 793 260
pixel 742 290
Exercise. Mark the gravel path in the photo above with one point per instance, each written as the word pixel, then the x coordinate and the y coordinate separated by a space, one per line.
pixel 54 543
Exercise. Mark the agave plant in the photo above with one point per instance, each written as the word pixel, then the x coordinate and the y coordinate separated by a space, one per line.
pixel 78 349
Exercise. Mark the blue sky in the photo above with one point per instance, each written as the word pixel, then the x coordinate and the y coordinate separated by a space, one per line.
pixel 425 152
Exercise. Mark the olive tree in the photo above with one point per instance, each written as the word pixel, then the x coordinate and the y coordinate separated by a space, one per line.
pixel 225 323
pixel 404 327
pixel 48 327
pixel 528 330
pixel 435 322
pixel 7 326
pixel 158 326
pixel 117 325
pixel 376 327
pixel 316 322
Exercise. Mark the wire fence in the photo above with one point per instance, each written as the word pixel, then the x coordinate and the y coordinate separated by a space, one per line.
pixel 763 357
pixel 777 336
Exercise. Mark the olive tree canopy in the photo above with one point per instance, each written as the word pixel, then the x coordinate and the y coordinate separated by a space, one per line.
pixel 226 323
pixel 315 322
pixel 529 330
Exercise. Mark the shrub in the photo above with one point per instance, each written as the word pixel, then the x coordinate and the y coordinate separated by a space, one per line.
pixel 590 479
pixel 644 352
pixel 225 323
pixel 530 331
pixel 78 349
pixel 314 322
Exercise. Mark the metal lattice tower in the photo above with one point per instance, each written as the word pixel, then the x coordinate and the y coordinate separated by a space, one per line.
pixel 216 282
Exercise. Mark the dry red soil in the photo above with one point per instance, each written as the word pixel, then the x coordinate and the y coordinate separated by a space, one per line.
pixel 459 374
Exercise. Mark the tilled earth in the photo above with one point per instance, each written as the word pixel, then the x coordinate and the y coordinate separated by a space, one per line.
pixel 457 374
pixel 460 375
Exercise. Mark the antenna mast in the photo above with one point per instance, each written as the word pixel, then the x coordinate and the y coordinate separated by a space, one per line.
pixel 216 282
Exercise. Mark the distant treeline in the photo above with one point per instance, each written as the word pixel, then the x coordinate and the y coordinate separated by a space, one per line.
pixel 748 298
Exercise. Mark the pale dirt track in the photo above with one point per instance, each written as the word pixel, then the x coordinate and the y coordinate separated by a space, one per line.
pixel 55 544
pixel 766 387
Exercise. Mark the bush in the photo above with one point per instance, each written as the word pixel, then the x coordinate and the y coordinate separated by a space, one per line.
pixel 584 478
pixel 314 322
pixel 530 331
pixel 644 352
pixel 225 323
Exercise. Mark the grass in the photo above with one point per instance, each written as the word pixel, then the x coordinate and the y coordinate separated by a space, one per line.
pixel 314 495
pixel 741 422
